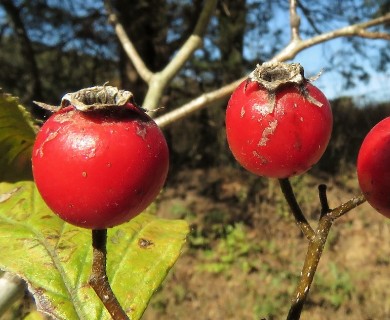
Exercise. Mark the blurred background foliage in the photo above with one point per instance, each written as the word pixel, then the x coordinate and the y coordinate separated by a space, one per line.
pixel 50 47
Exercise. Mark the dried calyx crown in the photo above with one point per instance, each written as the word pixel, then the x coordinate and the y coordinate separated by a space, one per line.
pixel 93 98
pixel 273 76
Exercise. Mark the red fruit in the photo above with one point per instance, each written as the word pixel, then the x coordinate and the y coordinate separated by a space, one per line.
pixel 277 123
pixel 373 167
pixel 98 169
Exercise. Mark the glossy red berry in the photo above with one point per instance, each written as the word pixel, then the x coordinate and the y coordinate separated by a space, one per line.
pixel 100 168
pixel 277 123
pixel 373 167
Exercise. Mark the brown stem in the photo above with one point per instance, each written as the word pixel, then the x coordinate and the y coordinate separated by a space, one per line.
pixel 323 199
pixel 98 279
pixel 301 221
pixel 347 206
pixel 316 247
pixel 313 255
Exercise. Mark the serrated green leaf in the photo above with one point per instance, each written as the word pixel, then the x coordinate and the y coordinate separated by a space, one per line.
pixel 17 134
pixel 55 257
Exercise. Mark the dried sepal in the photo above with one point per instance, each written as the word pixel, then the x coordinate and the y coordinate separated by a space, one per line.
pixel 93 98
pixel 46 106
pixel 272 76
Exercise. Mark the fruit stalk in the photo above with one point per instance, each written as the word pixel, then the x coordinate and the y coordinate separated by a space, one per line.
pixel 99 280
pixel 301 220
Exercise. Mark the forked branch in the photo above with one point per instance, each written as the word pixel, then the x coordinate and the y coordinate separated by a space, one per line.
pixel 316 242
pixel 158 81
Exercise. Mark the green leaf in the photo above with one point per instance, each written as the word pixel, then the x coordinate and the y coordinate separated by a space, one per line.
pixel 54 257
pixel 17 135
pixel 34 315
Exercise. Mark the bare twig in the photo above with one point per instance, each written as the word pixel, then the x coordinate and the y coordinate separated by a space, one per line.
pixel 127 45
pixel 372 35
pixel 295 21
pixel 289 52
pixel 160 80
pixel 202 101
pixel 346 207
pixel 356 30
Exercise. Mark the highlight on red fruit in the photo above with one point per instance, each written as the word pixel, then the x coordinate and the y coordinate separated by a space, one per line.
pixel 277 123
pixel 373 167
pixel 99 168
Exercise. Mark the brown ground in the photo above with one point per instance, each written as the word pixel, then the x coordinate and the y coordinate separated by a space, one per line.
pixel 249 272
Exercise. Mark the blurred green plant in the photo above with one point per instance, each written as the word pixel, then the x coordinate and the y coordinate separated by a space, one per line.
pixel 233 249
pixel 181 211
pixel 334 285
pixel 274 299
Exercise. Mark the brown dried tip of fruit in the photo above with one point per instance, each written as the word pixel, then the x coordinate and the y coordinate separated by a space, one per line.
pixel 273 76
pixel 93 98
